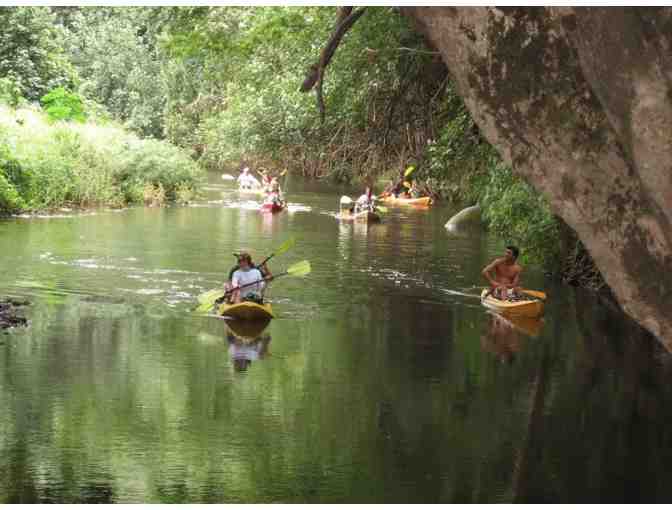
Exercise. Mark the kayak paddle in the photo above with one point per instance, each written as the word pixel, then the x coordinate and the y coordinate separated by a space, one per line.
pixel 299 269
pixel 289 243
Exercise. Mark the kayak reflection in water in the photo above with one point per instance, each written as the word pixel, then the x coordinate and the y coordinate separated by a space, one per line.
pixel 244 352
pixel 501 339
pixel 506 283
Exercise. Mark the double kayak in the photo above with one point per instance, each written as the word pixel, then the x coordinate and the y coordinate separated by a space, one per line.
pixel 246 310
pixel 391 199
pixel 533 307
pixel 362 216
pixel 272 208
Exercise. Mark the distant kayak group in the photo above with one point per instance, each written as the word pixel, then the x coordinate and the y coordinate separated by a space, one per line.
pixel 268 187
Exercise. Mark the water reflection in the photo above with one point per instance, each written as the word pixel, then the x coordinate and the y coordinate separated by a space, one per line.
pixel 505 336
pixel 248 341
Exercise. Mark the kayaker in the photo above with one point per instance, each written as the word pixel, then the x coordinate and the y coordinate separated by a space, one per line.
pixel 266 181
pixel 230 296
pixel 365 201
pixel 247 274
pixel 246 180
pixel 413 191
pixel 506 281
pixel 274 195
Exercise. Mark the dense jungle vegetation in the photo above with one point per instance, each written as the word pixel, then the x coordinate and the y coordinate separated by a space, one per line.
pixel 119 105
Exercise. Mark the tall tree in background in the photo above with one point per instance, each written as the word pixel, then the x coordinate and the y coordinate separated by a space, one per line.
pixel 115 52
pixel 31 51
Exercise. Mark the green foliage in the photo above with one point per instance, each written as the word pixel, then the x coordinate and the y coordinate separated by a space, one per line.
pixel 114 51
pixel 31 51
pixel 10 92
pixel 518 213
pixel 234 79
pixel 61 104
pixel 47 165
pixel 465 168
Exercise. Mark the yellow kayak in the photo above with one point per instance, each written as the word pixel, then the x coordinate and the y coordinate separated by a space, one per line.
pixel 391 199
pixel 526 308
pixel 247 330
pixel 246 311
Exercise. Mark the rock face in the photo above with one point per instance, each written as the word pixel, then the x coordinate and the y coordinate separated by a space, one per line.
pixel 579 102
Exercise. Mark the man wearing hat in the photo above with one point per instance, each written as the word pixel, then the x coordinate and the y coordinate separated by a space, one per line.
pixel 244 273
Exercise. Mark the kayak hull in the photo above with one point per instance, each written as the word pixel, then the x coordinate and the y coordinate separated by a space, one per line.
pixel 363 216
pixel 530 309
pixel 271 208
pixel 423 201
pixel 246 311
pixel 247 330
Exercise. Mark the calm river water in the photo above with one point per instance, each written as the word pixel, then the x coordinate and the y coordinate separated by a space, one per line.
pixel 382 379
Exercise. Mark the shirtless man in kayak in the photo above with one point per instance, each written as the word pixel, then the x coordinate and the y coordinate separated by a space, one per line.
pixel 506 281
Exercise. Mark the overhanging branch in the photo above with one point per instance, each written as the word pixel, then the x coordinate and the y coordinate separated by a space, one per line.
pixel 347 18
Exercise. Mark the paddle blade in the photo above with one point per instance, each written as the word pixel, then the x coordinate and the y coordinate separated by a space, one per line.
pixel 289 243
pixel 407 184
pixel 207 300
pixel 381 208
pixel 299 269
pixel 211 295
pixel 346 200
pixel 409 171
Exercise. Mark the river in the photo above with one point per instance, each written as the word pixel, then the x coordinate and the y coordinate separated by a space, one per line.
pixel 382 379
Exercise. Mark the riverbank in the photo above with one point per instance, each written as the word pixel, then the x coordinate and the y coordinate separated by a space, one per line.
pixel 45 165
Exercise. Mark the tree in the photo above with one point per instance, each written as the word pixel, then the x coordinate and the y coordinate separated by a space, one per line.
pixel 31 51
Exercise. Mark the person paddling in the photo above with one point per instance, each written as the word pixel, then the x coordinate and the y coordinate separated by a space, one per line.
pixel 247 181
pixel 506 281
pixel 275 194
pixel 244 270
pixel 365 201
pixel 245 275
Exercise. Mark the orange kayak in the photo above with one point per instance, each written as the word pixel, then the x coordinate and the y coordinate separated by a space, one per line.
pixel 532 308
pixel 391 199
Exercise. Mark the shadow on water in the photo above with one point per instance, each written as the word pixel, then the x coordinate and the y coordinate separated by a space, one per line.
pixel 600 433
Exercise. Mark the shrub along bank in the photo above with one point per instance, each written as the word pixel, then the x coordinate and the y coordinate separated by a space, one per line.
pixel 46 163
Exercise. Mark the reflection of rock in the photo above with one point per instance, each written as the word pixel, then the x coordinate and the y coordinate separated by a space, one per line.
pixel 9 317
pixel 469 217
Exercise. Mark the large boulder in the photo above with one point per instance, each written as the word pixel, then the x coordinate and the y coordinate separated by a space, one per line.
pixel 579 102
pixel 471 216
